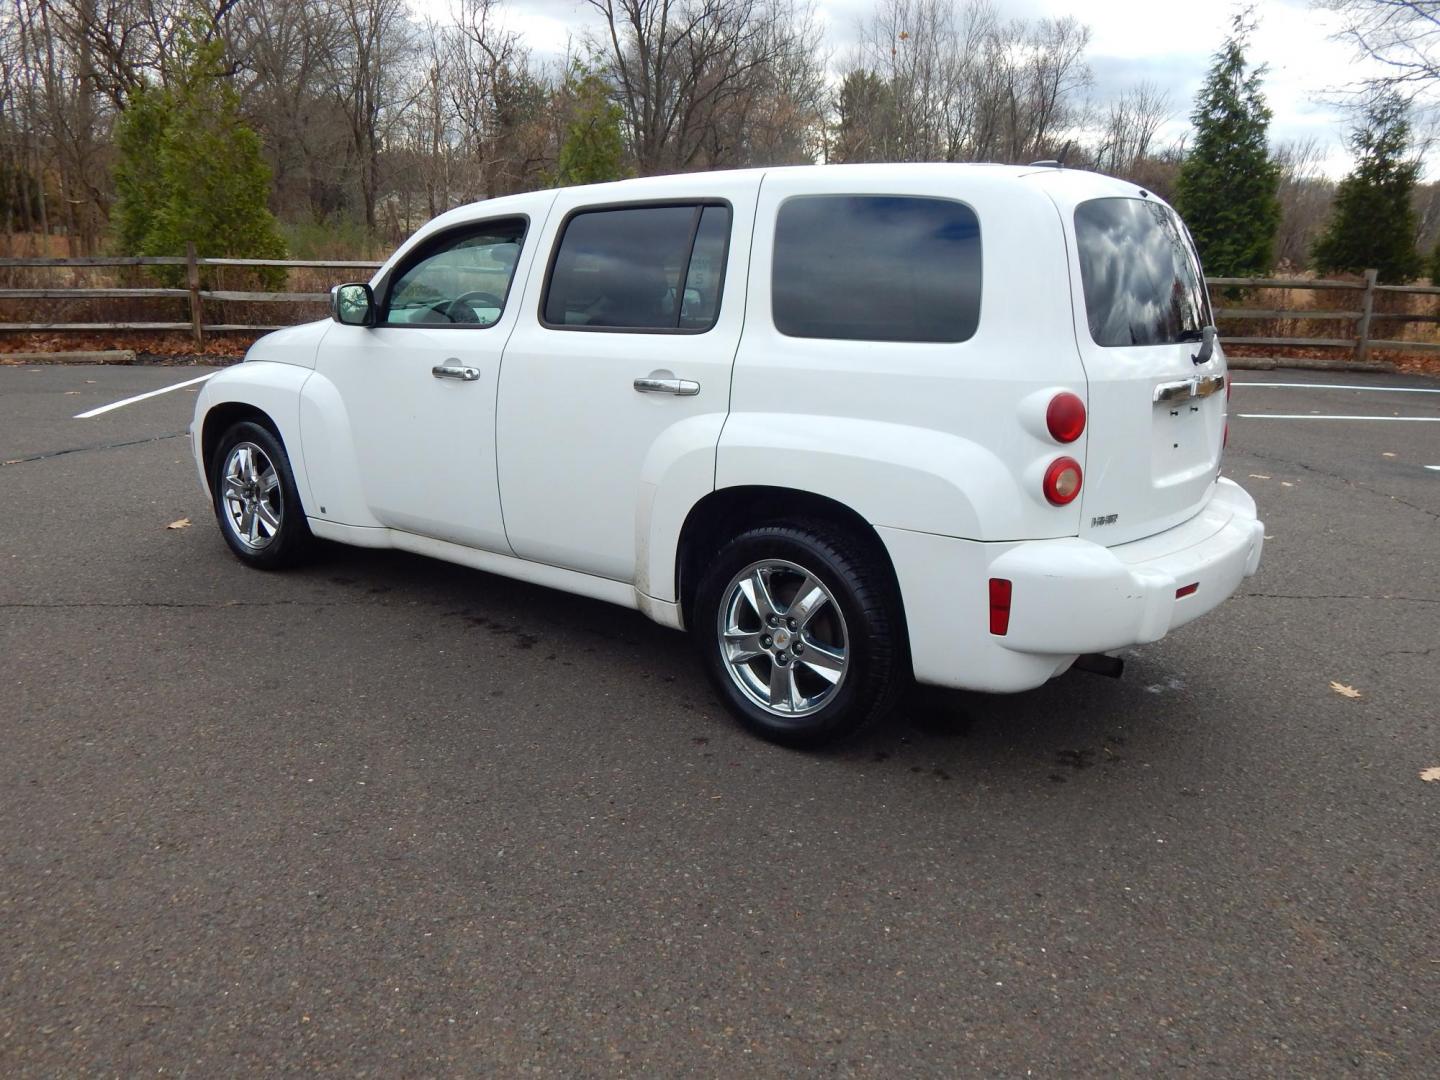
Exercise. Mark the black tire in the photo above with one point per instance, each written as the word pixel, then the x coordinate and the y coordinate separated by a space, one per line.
pixel 875 671
pixel 291 539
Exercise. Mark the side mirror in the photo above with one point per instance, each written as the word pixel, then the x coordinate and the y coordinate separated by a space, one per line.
pixel 353 304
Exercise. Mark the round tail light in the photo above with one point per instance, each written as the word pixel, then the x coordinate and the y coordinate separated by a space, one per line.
pixel 1062 481
pixel 1065 417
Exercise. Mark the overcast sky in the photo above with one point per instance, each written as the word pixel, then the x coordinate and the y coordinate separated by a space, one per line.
pixel 1168 42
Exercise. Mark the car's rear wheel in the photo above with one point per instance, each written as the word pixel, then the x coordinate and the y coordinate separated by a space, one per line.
pixel 800 631
pixel 256 501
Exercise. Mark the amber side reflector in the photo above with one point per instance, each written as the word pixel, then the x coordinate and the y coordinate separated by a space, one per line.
pixel 1186 590
pixel 999 606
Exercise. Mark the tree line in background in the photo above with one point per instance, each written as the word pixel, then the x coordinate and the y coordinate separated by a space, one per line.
pixel 338 126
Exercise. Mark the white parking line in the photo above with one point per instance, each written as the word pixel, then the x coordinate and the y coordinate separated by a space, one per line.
pixel 1319 416
pixel 1339 386
pixel 141 397
pixel 1433 468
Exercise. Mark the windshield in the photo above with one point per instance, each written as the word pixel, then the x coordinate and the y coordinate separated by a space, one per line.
pixel 1141 277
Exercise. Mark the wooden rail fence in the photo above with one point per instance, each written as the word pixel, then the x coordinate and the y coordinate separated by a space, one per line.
pixel 192 293
pixel 1362 316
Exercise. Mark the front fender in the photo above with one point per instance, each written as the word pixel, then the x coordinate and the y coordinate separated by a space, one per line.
pixel 892 475
pixel 272 388
pixel 330 443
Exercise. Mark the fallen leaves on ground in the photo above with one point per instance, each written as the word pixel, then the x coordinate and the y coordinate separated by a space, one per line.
pixel 183 523
pixel 1343 690
pixel 1259 476
pixel 1431 775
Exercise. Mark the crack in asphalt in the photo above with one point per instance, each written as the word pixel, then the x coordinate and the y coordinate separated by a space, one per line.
pixel 1338 596
pixel 1304 467
pixel 196 604
pixel 87 449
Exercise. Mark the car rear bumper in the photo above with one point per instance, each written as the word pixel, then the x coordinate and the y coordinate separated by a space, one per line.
pixel 1068 596
pixel 1074 596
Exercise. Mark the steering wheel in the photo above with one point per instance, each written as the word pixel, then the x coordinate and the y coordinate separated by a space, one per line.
pixel 460 310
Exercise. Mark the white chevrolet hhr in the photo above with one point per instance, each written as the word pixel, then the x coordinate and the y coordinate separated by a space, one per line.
pixel 845 424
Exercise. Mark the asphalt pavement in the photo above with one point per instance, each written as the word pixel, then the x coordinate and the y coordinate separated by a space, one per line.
pixel 383 816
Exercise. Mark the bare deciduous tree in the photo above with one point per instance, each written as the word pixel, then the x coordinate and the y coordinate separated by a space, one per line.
pixel 1131 123
pixel 958 83
pixel 683 69
pixel 1403 36
pixel 366 80
pixel 1305 195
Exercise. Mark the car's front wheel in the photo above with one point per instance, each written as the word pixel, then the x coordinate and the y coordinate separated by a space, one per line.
pixel 801 633
pixel 256 501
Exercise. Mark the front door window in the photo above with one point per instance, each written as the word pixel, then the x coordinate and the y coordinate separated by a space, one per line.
pixel 463 279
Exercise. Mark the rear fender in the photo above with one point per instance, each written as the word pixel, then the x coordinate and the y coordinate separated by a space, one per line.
pixel 678 472
pixel 892 475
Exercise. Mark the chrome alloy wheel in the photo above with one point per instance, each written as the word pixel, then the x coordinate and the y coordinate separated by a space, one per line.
pixel 783 638
pixel 251 495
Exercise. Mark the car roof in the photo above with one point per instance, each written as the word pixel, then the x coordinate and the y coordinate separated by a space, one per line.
pixel 865 174
pixel 1066 187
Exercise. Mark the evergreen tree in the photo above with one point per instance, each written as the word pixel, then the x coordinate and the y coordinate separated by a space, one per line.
pixel 593 149
pixel 1227 186
pixel 1373 223
pixel 866 119
pixel 139 186
pixel 190 171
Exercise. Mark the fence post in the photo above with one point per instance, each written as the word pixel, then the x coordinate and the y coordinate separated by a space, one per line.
pixel 1367 309
pixel 192 282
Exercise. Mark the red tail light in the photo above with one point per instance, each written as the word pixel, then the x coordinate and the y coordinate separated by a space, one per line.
pixel 1065 417
pixel 1062 481
pixel 999 606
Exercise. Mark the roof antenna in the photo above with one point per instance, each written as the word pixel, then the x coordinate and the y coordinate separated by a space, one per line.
pixel 1054 163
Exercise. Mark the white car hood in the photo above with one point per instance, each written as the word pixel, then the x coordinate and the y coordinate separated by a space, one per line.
pixel 294 345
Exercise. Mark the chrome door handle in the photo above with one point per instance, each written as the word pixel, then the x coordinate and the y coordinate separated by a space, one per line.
pixel 448 370
pixel 681 387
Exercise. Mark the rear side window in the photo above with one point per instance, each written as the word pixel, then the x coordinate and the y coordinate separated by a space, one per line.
pixel 876 268
pixel 652 268
pixel 1141 278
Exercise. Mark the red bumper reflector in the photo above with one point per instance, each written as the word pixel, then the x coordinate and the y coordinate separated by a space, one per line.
pixel 999 606
pixel 1186 590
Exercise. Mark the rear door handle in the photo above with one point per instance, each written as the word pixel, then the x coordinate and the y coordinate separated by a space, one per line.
pixel 1189 388
pixel 680 387
pixel 453 369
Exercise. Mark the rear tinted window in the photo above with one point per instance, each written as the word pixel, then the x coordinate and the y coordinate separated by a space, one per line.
pixel 1141 278
pixel 876 268
pixel 639 268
